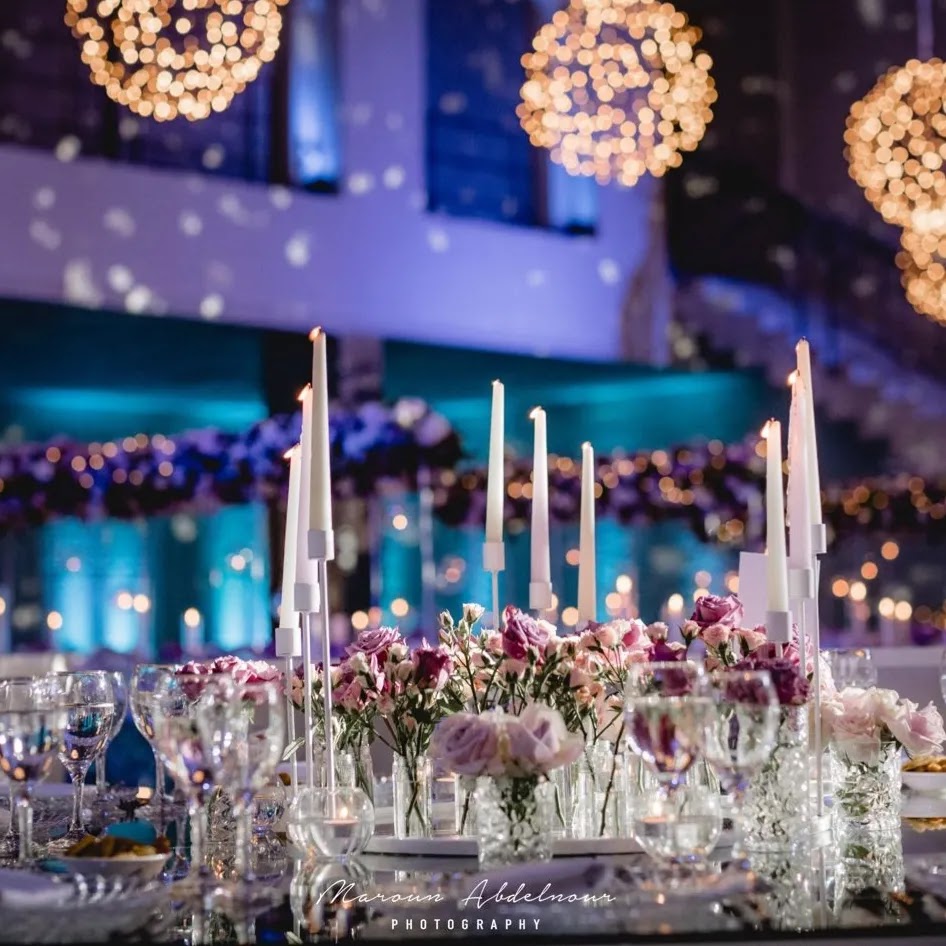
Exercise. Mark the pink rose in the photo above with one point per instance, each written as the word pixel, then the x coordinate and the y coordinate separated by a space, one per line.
pixel 538 741
pixel 432 667
pixel 715 635
pixel 375 641
pixel 920 732
pixel 658 631
pixel 850 721
pixel 752 638
pixel 467 744
pixel 523 635
pixel 607 635
pixel 712 609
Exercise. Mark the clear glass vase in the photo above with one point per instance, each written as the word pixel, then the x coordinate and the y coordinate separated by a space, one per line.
pixel 868 793
pixel 777 804
pixel 600 799
pixel 465 816
pixel 354 768
pixel 412 797
pixel 788 888
pixel 870 863
pixel 513 821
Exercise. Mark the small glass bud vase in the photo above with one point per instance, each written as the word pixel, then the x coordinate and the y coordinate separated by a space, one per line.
pixel 465 814
pixel 868 793
pixel 412 797
pixel 600 807
pixel 513 818
pixel 777 803
pixel 354 768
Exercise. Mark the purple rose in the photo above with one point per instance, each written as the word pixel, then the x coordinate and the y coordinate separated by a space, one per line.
pixel 522 634
pixel 467 744
pixel 666 651
pixel 432 666
pixel 375 642
pixel 791 688
pixel 711 609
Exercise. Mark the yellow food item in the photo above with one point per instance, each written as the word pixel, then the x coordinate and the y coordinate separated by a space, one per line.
pixel 114 847
pixel 926 763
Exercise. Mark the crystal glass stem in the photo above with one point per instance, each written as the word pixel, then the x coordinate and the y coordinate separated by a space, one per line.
pixel 198 831
pixel 24 818
pixel 243 813
pixel 158 776
pixel 78 788
pixel 101 782
pixel 11 840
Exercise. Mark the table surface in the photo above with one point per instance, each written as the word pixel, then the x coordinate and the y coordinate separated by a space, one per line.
pixel 857 888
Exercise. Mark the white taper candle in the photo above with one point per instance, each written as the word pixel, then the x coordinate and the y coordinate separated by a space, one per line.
pixel 776 560
pixel 306 572
pixel 587 590
pixel 288 616
pixel 541 571
pixel 320 505
pixel 803 361
pixel 799 507
pixel 496 483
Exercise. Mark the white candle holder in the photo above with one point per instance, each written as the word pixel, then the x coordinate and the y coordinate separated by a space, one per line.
pixel 801 583
pixel 540 595
pixel 494 562
pixel 819 538
pixel 322 550
pixel 778 627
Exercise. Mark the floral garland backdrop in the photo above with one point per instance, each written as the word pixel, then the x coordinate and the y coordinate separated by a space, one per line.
pixel 716 489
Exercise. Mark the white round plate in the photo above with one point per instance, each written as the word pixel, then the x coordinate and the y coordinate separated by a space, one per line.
pixel 927 783
pixel 142 868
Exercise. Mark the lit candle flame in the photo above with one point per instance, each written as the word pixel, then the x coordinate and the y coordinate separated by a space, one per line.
pixel 315 333
pixel 792 378
pixel 304 392
pixel 534 413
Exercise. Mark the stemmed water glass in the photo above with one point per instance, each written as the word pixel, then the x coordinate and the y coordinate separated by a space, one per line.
pixel 741 733
pixel 88 703
pixel 665 706
pixel 32 724
pixel 120 692
pixel 173 706
pixel 243 732
pixel 142 696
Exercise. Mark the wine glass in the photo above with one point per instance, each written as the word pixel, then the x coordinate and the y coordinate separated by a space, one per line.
pixel 89 705
pixel 243 730
pixel 852 668
pixel 173 706
pixel 120 692
pixel 665 704
pixel 32 723
pixel 144 679
pixel 741 733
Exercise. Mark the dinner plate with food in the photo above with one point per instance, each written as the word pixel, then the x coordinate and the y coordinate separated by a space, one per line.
pixel 925 774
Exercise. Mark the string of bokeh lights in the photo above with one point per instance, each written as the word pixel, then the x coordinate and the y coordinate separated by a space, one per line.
pixel 616 89
pixel 165 58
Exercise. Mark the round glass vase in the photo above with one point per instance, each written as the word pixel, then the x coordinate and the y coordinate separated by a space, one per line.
pixel 867 793
pixel 513 819
pixel 777 806
pixel 412 797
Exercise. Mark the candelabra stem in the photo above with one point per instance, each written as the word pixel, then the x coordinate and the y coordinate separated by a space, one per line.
pixel 327 674
pixel 306 617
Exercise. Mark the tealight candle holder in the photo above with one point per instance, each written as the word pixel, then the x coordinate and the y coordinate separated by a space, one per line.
pixel 336 822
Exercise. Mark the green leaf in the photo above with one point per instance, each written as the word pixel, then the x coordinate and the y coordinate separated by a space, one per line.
pixel 293 748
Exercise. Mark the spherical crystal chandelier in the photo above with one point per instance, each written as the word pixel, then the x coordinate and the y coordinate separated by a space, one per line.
pixel 923 272
pixel 896 144
pixel 165 58
pixel 616 88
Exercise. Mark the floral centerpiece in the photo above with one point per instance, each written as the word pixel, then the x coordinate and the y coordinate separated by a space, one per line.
pixel 866 729
pixel 510 755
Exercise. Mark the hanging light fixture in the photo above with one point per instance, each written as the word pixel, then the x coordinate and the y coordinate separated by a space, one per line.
pixel 895 137
pixel 616 89
pixel 165 58
pixel 924 273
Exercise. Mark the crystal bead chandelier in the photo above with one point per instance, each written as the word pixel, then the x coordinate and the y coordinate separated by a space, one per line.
pixel 165 58
pixel 616 89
